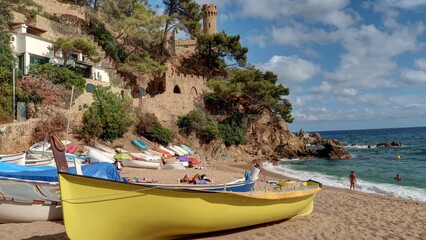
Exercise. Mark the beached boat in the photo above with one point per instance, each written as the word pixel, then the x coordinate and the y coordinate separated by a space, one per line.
pixel 187 149
pixel 29 201
pixel 176 151
pixel 96 155
pixel 173 165
pixel 154 213
pixel 140 164
pixel 16 158
pixel 139 144
pixel 30 194
pixel 181 149
pixel 146 156
pixel 234 186
pixel 164 150
pixel 104 148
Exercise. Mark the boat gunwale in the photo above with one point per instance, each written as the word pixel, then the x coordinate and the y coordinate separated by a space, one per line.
pixel 281 195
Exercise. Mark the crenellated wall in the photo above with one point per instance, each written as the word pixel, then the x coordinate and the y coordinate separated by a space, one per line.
pixel 181 94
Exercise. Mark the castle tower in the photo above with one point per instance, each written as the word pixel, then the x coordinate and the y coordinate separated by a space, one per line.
pixel 210 18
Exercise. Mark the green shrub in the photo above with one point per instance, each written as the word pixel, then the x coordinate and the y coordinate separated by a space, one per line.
pixel 211 131
pixel 194 121
pixel 234 129
pixel 60 75
pixel 160 134
pixel 108 42
pixel 6 100
pixel 106 118
pixel 151 128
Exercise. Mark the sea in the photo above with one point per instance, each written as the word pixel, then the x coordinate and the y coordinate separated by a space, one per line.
pixel 375 167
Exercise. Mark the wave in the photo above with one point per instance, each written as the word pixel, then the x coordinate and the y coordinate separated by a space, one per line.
pixel 360 146
pixel 393 190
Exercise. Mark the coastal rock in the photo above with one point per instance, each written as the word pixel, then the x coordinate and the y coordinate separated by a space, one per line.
pixel 333 150
pixel 269 138
pixel 392 144
pixel 309 138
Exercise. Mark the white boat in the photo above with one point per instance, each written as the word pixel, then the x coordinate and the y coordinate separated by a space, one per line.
pixel 96 155
pixel 140 164
pixel 146 156
pixel 174 165
pixel 167 150
pixel 177 152
pixel 105 148
pixel 16 158
pixel 39 160
pixel 40 148
pixel 154 153
pixel 181 149
pixel 29 201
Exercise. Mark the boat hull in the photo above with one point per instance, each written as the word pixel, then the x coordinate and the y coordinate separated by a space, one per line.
pixel 153 213
pixel 15 212
pixel 17 158
pixel 140 164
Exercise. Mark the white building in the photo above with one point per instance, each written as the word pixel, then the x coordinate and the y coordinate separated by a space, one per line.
pixel 31 48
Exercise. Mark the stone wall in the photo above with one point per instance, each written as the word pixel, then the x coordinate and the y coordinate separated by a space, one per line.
pixel 55 7
pixel 185 46
pixel 170 104
pixel 16 137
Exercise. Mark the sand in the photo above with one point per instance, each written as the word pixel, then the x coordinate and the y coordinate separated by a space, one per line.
pixel 338 213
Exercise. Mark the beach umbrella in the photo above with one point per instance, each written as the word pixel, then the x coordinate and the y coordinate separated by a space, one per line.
pixel 122 156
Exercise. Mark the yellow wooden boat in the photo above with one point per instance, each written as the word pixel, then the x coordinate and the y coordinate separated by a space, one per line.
pixel 102 209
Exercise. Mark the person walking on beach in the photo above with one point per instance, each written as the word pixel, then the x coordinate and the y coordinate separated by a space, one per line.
pixel 352 180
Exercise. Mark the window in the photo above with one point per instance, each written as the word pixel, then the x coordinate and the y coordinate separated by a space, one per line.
pixel 73 57
pixel 176 89
pixel 38 60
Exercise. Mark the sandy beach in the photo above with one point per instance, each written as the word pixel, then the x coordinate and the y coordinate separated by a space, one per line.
pixel 338 213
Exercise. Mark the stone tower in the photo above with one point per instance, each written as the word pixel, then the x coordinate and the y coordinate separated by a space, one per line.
pixel 210 18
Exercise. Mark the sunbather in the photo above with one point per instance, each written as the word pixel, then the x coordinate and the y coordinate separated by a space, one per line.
pixel 197 179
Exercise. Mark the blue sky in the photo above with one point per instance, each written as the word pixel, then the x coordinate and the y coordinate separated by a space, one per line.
pixel 349 64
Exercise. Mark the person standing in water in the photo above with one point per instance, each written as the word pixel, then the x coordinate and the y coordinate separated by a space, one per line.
pixel 352 180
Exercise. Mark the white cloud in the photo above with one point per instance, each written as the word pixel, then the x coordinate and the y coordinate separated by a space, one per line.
pixel 311 52
pixel 413 76
pixel 299 34
pixel 291 69
pixel 324 87
pixel 369 61
pixel 406 4
pixel 329 12
pixel 420 63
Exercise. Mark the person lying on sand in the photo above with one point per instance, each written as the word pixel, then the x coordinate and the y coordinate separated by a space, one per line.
pixel 197 179
pixel 138 180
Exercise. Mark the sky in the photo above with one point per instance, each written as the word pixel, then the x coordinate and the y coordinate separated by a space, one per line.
pixel 348 64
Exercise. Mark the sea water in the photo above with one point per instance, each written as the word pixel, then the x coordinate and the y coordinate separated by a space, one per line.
pixel 375 167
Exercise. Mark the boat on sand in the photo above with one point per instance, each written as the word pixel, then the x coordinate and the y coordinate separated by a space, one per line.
pixel 154 213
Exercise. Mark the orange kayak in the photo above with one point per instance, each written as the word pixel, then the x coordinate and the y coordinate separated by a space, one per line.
pixel 162 151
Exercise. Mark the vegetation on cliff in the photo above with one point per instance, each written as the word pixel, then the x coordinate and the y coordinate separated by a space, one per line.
pixel 6 64
pixel 107 118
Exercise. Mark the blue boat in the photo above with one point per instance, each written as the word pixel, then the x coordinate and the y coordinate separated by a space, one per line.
pixel 140 144
pixel 240 186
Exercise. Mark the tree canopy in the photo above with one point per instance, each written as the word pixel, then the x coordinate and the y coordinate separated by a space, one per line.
pixel 107 118
pixel 215 49
pixel 69 46
pixel 260 88
pixel 182 15
pixel 7 63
